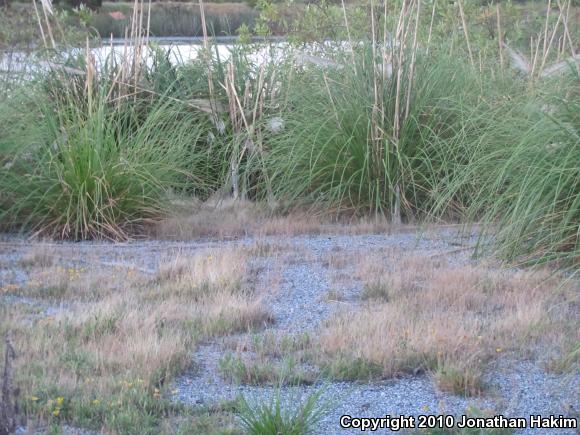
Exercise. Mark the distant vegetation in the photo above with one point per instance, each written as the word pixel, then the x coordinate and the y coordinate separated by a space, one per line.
pixel 307 19
pixel 177 19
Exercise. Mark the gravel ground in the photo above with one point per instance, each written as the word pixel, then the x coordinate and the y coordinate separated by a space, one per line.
pixel 300 303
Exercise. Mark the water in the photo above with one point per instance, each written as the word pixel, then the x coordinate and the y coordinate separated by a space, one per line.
pixel 179 50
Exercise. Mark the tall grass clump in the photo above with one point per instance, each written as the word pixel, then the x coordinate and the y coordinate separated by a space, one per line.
pixel 378 148
pixel 276 417
pixel 83 164
pixel 525 166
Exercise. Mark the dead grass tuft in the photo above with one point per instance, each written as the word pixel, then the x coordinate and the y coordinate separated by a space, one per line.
pixel 462 377
pixel 427 315
pixel 38 256
pixel 225 267
pixel 226 219
pixel 79 284
pixel 215 219
pixel 261 248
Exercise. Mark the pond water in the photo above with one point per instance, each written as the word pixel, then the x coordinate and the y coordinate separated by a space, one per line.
pixel 179 51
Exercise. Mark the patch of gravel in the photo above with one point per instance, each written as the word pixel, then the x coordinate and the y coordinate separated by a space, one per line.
pixel 526 389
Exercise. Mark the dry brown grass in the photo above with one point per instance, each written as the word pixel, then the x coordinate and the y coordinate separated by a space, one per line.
pixel 226 219
pixel 262 248
pixel 119 330
pixel 39 255
pixel 215 219
pixel 79 284
pixel 427 315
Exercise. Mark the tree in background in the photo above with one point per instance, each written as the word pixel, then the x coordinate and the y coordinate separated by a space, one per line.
pixel 91 4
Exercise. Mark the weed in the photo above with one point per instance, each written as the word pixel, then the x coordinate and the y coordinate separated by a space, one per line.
pixel 264 372
pixel 376 290
pixel 351 369
pixel 293 418
pixel 463 379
